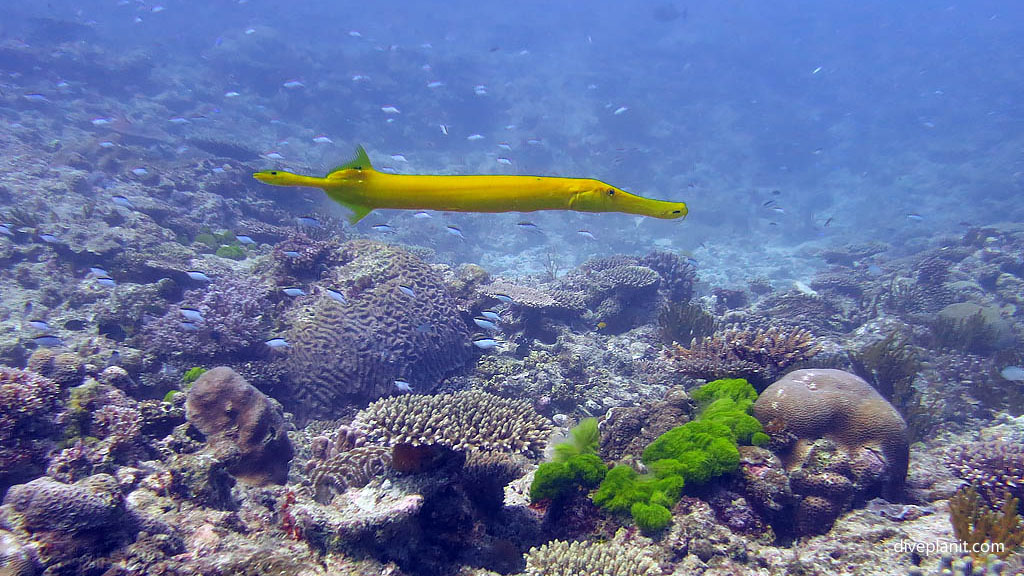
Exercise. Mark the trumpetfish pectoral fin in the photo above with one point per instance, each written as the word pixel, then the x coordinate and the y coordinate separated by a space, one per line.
pixel 358 212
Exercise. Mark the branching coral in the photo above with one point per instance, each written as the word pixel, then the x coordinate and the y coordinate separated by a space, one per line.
pixel 982 528
pixel 759 357
pixel 465 421
pixel 994 469
pixel 559 558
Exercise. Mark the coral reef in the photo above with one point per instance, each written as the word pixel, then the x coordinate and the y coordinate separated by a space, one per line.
pixel 756 356
pixel 839 439
pixel 29 404
pixel 559 558
pixel 235 320
pixel 993 468
pixel 691 454
pixel 975 524
pixel 397 322
pixel 466 421
pixel 243 427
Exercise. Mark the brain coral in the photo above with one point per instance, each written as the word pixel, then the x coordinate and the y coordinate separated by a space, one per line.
pixel 397 321
pixel 468 420
pixel 245 428
pixel 842 408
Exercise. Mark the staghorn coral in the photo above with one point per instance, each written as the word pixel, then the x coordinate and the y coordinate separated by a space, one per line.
pixel 560 558
pixel 29 404
pixel 993 468
pixel 976 524
pixel 397 322
pixel 758 357
pixel 469 420
pixel 243 427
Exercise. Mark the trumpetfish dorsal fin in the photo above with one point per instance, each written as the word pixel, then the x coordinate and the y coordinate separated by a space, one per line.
pixel 360 162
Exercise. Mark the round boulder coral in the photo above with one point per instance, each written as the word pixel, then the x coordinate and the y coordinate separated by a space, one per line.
pixel 244 427
pixel 840 441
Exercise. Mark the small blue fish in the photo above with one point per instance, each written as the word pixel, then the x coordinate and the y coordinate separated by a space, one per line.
pixel 96 271
pixel 48 238
pixel 504 298
pixel 39 325
pixel 485 343
pixel 192 315
pixel 36 97
pixel 382 227
pixel 277 343
pixel 106 281
pixel 915 217
pixel 421 215
pixel 586 234
pixel 291 253
pixel 198 276
pixel 245 240
pixel 485 323
pixel 454 231
pixel 140 171
pixel 403 386
pixel 123 202
pixel 491 315
pixel 336 296
pixel 407 290
pixel 5 229
pixel 293 292
pixel 48 341
pixel 526 225
pixel 1013 373
pixel 308 221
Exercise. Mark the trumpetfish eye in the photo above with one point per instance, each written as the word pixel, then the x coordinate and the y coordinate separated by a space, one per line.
pixel 611 191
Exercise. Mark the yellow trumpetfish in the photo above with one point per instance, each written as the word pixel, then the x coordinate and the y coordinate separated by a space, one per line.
pixel 360 188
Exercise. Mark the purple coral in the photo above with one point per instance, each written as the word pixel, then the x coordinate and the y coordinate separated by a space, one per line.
pixel 994 468
pixel 235 319
pixel 29 404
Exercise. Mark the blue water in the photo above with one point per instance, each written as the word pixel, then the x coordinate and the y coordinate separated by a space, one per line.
pixel 856 114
